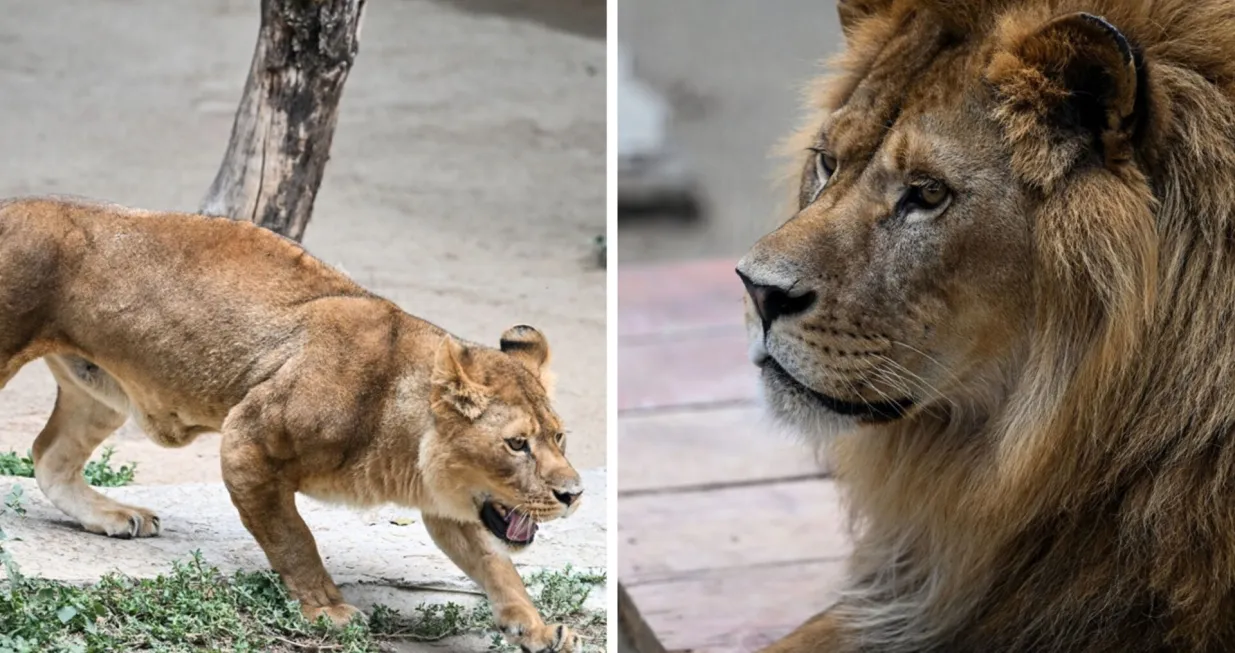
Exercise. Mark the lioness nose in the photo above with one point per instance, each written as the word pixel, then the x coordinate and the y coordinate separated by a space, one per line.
pixel 568 498
pixel 773 301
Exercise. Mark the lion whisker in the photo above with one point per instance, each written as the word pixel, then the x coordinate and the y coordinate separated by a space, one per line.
pixel 909 376
pixel 931 359
pixel 906 383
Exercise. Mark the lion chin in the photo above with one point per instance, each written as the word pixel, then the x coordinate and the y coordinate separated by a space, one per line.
pixel 812 413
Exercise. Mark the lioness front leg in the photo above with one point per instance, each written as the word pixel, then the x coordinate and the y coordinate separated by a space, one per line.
pixel 484 560
pixel 267 507
pixel 821 633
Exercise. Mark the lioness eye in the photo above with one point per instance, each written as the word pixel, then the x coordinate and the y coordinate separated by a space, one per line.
pixel 517 444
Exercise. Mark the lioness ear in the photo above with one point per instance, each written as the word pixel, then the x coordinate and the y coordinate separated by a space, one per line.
pixel 1070 87
pixel 529 346
pixel 451 383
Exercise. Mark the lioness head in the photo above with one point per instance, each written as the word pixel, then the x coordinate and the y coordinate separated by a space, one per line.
pixel 499 450
pixel 971 167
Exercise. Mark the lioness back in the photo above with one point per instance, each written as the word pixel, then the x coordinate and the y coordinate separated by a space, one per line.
pixel 231 291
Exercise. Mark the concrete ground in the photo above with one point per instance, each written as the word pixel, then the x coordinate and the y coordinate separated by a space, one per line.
pixel 466 180
pixel 732 69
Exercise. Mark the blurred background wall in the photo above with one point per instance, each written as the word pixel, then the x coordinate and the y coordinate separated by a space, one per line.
pixel 732 72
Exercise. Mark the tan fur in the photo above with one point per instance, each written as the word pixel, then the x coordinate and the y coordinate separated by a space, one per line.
pixel 193 324
pixel 1062 331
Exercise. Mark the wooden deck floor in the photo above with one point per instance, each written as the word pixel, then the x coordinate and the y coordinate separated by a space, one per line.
pixel 730 535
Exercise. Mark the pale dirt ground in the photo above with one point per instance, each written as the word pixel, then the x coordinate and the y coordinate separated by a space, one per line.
pixel 466 182
pixel 733 71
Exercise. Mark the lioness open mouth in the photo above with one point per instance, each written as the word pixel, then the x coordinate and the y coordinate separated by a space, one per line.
pixel 513 526
pixel 881 411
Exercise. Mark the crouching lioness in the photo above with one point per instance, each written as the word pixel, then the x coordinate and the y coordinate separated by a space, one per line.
pixel 192 324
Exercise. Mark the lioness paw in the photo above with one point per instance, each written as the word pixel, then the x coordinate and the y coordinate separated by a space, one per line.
pixel 339 614
pixel 125 522
pixel 554 638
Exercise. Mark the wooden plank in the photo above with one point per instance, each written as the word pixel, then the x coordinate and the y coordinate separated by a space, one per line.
pixel 660 299
pixel 706 448
pixel 737 609
pixel 667 535
pixel 693 371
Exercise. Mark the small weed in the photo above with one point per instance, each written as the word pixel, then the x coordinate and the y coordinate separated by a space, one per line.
pixel 558 595
pixel 600 246
pixel 13 500
pixel 99 472
pixel 11 464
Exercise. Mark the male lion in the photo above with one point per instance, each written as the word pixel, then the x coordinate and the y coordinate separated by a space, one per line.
pixel 1010 282
pixel 193 324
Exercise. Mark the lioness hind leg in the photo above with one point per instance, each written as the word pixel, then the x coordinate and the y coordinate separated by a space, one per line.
pixel 476 553
pixel 78 424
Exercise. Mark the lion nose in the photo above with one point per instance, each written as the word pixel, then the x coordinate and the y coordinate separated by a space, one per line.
pixel 773 301
pixel 568 498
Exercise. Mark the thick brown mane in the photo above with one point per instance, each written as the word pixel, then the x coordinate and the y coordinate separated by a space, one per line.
pixel 1086 501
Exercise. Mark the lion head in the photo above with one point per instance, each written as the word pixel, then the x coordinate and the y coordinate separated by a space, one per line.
pixel 499 450
pixel 955 179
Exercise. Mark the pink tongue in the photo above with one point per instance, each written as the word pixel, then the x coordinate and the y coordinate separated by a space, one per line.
pixel 520 528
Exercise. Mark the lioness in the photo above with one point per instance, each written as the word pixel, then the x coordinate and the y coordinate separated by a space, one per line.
pixel 1007 297
pixel 192 324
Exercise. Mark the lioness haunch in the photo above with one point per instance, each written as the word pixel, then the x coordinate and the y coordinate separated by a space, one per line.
pixel 192 324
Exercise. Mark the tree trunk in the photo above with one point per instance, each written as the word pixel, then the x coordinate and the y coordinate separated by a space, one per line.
pixel 634 634
pixel 281 138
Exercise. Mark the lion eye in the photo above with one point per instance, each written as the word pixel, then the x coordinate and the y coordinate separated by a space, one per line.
pixel 560 439
pixel 517 444
pixel 814 181
pixel 825 165
pixel 930 194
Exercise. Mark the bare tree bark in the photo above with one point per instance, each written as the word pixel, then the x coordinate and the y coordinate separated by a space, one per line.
pixel 634 634
pixel 285 123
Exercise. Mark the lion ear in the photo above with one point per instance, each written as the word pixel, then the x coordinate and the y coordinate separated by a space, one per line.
pixel 1072 85
pixel 451 382
pixel 530 347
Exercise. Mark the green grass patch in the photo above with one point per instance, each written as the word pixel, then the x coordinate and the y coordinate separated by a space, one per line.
pixel 195 607
pixel 558 595
pixel 99 472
